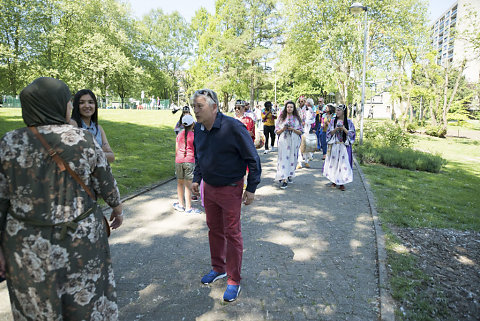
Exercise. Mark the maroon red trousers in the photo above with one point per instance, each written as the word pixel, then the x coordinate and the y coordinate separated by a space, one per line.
pixel 223 205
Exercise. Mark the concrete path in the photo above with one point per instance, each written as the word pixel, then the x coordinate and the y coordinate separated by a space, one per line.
pixel 309 254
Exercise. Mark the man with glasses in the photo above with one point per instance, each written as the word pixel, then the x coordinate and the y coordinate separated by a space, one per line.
pixel 223 150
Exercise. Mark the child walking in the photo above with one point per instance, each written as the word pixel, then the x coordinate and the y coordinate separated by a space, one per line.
pixel 184 165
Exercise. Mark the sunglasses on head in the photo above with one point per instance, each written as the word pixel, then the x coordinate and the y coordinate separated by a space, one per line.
pixel 207 92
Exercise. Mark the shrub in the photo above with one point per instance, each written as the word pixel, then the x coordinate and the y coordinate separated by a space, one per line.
pixel 406 158
pixel 436 131
pixel 412 127
pixel 386 134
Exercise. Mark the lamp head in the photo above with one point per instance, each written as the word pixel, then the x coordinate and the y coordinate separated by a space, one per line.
pixel 357 8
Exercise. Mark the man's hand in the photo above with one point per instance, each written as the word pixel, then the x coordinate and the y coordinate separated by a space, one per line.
pixel 248 197
pixel 195 187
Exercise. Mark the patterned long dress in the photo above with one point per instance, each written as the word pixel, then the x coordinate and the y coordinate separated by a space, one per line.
pixel 50 278
pixel 338 163
pixel 288 148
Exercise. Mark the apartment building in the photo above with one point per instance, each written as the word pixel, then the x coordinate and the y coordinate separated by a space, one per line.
pixel 448 37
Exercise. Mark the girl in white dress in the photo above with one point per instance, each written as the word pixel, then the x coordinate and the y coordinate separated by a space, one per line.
pixel 289 130
pixel 340 136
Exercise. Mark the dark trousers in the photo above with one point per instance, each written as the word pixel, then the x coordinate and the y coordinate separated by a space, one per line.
pixel 323 140
pixel 223 205
pixel 269 131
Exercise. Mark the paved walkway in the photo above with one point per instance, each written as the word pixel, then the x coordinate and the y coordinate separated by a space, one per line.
pixel 309 254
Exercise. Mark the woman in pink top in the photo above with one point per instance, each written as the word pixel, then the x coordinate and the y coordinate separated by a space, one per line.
pixel 184 165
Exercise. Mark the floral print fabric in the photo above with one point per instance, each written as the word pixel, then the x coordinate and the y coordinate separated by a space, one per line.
pixel 288 147
pixel 337 167
pixel 49 278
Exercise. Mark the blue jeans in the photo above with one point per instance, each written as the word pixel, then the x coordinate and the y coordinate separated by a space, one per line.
pixel 323 141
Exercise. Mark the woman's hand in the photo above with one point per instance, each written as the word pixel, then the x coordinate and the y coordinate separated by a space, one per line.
pixel 116 217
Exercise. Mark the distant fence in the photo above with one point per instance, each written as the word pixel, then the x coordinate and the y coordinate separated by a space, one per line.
pixel 10 101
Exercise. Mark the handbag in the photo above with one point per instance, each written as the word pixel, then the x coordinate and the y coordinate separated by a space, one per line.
pixel 259 139
pixel 310 143
pixel 62 165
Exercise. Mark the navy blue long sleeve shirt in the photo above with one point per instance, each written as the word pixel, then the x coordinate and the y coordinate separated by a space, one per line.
pixel 223 153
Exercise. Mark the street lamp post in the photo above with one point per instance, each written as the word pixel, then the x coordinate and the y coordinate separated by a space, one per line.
pixel 357 8
pixel 275 75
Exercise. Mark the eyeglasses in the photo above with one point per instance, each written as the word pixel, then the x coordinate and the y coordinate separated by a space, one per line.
pixel 238 108
pixel 209 93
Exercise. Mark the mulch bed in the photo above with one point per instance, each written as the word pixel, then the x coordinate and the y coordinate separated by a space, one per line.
pixel 451 259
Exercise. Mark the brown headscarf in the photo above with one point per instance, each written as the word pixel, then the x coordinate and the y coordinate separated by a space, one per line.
pixel 44 102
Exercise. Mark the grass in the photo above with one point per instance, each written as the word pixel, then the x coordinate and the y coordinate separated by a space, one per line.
pixel 438 200
pixel 405 198
pixel 143 142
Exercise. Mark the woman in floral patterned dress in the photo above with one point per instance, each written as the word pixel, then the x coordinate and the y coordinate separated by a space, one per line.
pixel 289 130
pixel 340 135
pixel 51 277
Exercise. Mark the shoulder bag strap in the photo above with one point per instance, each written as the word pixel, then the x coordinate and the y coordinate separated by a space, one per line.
pixel 60 162
pixel 62 165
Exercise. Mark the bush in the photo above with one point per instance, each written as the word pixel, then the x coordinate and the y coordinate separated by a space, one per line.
pixel 412 127
pixel 386 134
pixel 436 131
pixel 406 158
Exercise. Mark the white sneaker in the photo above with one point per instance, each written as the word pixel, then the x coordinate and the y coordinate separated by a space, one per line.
pixel 266 151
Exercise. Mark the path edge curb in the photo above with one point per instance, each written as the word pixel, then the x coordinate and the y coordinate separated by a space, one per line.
pixel 387 311
pixel 142 191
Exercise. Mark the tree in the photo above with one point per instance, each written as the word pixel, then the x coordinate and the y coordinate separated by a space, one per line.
pixel 233 47
pixel 323 43
pixel 17 32
pixel 166 43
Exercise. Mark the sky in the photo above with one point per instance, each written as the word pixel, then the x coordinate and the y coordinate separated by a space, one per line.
pixel 187 8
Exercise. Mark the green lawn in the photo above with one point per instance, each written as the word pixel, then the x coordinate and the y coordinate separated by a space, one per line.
pixel 405 198
pixel 421 199
pixel 143 142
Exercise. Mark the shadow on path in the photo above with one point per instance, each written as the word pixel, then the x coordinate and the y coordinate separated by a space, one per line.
pixel 309 254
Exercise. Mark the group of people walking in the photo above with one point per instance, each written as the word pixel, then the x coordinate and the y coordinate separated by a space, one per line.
pixel 54 248
pixel 334 132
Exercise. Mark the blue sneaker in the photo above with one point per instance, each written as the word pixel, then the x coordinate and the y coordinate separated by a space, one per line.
pixel 231 293
pixel 212 276
pixel 193 211
pixel 178 207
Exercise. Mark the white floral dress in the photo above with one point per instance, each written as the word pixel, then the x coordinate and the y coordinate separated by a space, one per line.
pixel 51 278
pixel 338 165
pixel 288 146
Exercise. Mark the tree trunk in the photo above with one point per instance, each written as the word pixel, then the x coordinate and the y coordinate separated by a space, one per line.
pixel 432 113
pixel 225 102
pixel 445 96
pixel 452 96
